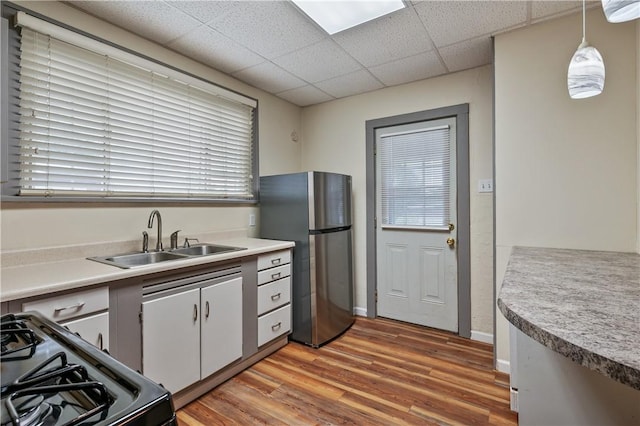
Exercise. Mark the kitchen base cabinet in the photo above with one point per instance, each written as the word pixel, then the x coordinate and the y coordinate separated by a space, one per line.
pixel 554 390
pixel 171 340
pixel 85 313
pixel 274 295
pixel 190 334
pixel 221 326
pixel 93 329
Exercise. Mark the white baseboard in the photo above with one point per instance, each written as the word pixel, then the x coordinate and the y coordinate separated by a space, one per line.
pixel 361 312
pixel 482 337
pixel 503 366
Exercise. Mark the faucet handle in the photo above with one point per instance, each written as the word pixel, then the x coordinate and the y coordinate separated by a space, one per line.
pixel 145 242
pixel 174 240
pixel 186 242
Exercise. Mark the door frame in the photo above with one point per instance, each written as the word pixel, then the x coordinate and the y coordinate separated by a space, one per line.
pixel 461 114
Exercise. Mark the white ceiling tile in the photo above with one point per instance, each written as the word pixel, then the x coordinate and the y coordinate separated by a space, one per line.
pixel 318 62
pixel 394 36
pixel 306 95
pixel 214 49
pixel 467 54
pixel 350 84
pixel 449 22
pixel 153 20
pixel 417 67
pixel 205 11
pixel 269 28
pixel 269 77
pixel 541 9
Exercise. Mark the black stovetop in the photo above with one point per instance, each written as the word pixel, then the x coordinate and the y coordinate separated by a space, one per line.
pixel 49 376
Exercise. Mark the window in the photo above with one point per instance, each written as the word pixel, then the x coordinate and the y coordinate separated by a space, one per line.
pixel 96 121
pixel 415 176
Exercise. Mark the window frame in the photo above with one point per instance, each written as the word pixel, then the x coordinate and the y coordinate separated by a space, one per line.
pixel 10 176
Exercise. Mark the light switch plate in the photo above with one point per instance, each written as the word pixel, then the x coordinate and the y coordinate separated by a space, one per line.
pixel 252 219
pixel 485 185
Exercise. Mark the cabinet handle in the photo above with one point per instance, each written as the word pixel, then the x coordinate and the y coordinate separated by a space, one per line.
pixel 276 275
pixel 275 261
pixel 76 306
pixel 275 296
pixel 100 341
pixel 276 326
pixel 195 313
pixel 206 305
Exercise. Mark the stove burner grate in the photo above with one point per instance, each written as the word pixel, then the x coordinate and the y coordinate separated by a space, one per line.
pixel 17 341
pixel 48 392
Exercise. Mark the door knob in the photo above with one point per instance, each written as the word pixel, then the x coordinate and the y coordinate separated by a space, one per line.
pixel 451 242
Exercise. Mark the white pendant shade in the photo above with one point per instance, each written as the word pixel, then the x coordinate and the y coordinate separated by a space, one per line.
pixel 586 73
pixel 621 10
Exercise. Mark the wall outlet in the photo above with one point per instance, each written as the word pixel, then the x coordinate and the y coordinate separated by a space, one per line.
pixel 485 185
pixel 252 219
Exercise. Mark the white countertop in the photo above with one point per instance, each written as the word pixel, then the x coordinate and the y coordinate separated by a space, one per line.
pixel 34 279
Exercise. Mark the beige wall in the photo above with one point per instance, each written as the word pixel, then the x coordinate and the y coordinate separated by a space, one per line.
pixel 334 140
pixel 566 170
pixel 27 226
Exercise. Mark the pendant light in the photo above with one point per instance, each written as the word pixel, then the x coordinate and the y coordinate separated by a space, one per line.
pixel 621 10
pixel 585 77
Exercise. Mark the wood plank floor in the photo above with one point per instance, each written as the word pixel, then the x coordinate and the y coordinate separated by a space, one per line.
pixel 380 372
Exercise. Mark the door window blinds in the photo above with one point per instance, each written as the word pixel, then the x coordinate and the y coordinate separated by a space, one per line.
pixel 94 125
pixel 415 175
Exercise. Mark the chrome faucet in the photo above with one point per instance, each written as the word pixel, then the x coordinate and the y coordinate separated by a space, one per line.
pixel 150 225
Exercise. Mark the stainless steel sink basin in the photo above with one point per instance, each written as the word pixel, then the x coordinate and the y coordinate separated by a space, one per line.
pixel 132 260
pixel 205 249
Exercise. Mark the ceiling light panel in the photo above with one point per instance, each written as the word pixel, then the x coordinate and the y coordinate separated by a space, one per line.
pixel 335 16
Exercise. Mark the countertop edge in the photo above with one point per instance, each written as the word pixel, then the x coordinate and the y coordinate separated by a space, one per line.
pixel 104 274
pixel 589 359
pixel 602 364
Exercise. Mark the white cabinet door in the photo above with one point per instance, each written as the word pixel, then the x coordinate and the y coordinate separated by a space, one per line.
pixel 171 339
pixel 93 329
pixel 221 325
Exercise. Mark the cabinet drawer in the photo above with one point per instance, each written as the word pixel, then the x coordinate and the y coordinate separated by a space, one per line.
pixel 60 308
pixel 274 324
pixel 93 329
pixel 274 295
pixel 273 274
pixel 269 260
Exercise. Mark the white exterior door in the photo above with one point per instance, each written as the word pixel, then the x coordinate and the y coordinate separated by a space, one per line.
pixel 415 208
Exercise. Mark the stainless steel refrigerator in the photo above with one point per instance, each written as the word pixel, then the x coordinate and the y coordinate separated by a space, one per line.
pixel 314 210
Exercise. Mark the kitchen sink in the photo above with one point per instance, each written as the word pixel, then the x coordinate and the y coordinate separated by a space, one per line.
pixel 205 249
pixel 132 260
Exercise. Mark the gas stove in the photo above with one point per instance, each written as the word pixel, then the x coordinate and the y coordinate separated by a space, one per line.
pixel 50 376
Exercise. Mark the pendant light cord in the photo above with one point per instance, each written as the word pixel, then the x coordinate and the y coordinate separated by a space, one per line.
pixel 584 31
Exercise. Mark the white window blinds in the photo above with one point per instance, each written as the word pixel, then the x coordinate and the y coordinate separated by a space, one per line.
pixel 95 125
pixel 415 178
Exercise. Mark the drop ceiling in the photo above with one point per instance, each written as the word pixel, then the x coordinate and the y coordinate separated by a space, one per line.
pixel 273 46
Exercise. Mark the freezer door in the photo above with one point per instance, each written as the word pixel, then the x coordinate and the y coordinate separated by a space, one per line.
pixel 331 285
pixel 329 200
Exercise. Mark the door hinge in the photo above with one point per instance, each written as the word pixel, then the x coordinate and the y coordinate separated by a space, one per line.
pixel 376 294
pixel 140 317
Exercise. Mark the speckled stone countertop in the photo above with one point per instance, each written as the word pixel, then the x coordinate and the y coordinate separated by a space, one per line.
pixel 584 305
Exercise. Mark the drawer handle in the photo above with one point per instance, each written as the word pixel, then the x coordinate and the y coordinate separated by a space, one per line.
pixel 275 296
pixel 195 313
pixel 100 341
pixel 276 326
pixel 275 261
pixel 206 315
pixel 276 275
pixel 77 306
